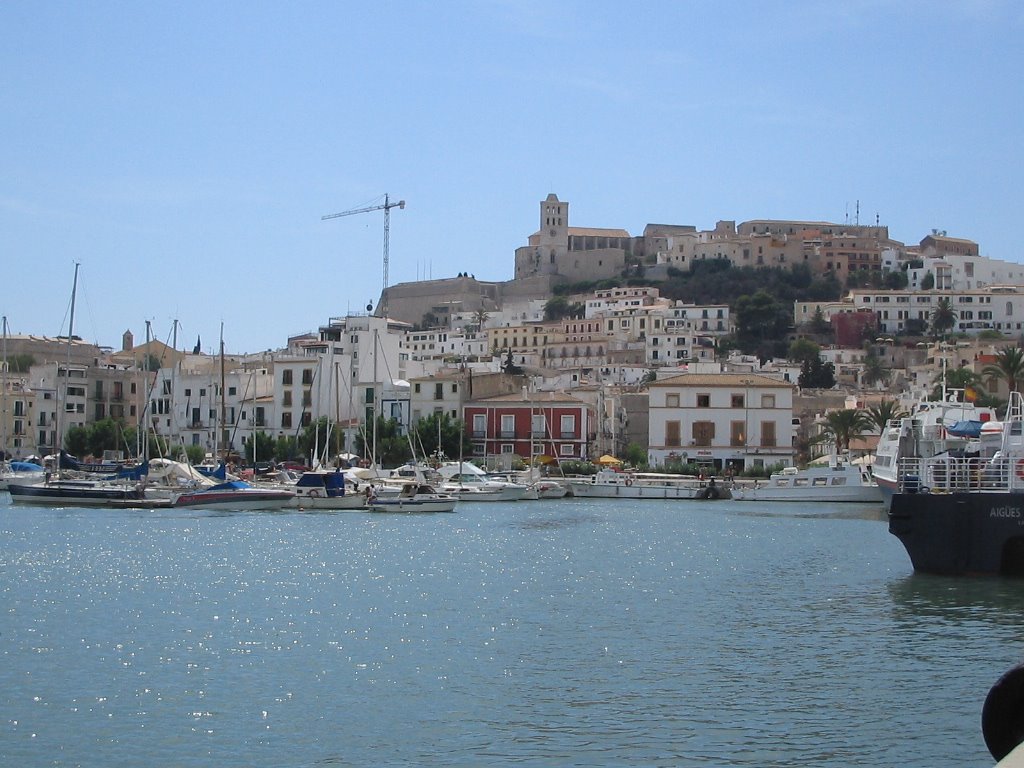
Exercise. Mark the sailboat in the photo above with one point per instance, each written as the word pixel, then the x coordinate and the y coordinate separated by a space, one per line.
pixel 125 488
pixel 22 471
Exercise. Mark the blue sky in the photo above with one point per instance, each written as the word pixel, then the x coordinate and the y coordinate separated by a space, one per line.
pixel 184 153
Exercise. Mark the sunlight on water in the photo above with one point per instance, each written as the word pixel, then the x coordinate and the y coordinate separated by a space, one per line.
pixel 565 632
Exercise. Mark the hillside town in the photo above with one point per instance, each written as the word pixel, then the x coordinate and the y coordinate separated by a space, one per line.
pixel 584 352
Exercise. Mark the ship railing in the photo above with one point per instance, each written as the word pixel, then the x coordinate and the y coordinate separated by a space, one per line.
pixel 952 474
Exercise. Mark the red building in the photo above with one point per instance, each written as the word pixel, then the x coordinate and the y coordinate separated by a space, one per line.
pixel 550 423
pixel 849 327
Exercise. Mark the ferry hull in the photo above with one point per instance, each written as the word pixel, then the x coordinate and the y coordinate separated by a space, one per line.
pixel 961 533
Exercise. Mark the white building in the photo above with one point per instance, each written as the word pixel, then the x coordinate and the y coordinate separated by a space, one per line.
pixel 999 308
pixel 725 420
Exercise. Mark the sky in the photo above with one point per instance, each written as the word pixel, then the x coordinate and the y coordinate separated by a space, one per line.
pixel 184 153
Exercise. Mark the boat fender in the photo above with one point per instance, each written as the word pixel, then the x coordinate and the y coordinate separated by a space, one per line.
pixel 314 493
pixel 1002 717
pixel 1019 469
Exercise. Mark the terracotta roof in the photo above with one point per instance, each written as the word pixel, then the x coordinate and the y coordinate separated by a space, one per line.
pixel 597 232
pixel 720 380
pixel 535 398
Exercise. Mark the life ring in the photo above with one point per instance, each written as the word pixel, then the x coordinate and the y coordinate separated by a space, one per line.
pixel 1020 468
pixel 313 494
pixel 629 480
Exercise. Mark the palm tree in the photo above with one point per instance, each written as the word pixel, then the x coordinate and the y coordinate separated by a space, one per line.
pixel 963 379
pixel 1009 366
pixel 874 369
pixel 845 425
pixel 883 413
pixel 943 318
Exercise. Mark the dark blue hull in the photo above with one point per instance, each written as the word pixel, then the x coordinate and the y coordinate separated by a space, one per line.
pixel 961 534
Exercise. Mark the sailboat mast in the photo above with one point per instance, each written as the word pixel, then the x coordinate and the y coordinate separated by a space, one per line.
pixel 223 401
pixel 61 400
pixel 3 395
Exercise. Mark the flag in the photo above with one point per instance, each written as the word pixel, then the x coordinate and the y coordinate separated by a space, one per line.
pixel 196 348
pixel 970 394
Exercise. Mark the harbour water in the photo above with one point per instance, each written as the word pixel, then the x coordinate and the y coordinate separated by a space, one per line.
pixel 570 632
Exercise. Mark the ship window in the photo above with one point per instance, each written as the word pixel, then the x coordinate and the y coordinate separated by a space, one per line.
pixel 838 481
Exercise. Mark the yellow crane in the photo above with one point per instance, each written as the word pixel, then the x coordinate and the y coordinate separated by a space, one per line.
pixel 386 207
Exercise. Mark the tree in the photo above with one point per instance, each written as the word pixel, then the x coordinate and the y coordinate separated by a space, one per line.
pixel 315 437
pixel 943 318
pixel 20 363
pixel 874 369
pixel 819 325
pixel 762 320
pixel 510 367
pixel 803 350
pixel 440 432
pixel 1008 366
pixel 814 374
pixel 928 282
pixel 556 308
pixel 392 446
pixel 265 446
pixel 883 413
pixel 845 425
pixel 961 379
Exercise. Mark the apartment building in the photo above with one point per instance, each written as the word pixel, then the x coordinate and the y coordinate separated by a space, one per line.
pixel 726 420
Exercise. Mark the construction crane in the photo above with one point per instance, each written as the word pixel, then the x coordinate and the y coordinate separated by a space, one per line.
pixel 386 207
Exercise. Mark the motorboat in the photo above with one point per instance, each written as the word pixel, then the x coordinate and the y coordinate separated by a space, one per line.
pixel 328 490
pixel 185 487
pixel 470 483
pixel 414 497
pixel 609 483
pixel 838 481
pixel 20 472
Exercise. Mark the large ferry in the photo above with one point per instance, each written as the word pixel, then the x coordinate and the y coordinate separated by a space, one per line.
pixel 964 514
pixel 951 426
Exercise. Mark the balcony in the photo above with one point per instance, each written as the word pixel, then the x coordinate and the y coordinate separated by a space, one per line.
pixel 196 425
pixel 480 434
pixel 507 434
pixel 539 434
pixel 568 436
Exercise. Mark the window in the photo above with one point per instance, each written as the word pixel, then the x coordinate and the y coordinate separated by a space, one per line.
pixel 703 401
pixel 672 400
pixel 369 395
pixel 538 425
pixel 286 377
pixel 737 401
pixel 672 434
pixel 286 420
pixel 508 425
pixel 737 433
pixel 568 426
pixel 768 434
pixel 479 425
pixel 307 376
pixel 286 398
pixel 767 401
pixel 703 432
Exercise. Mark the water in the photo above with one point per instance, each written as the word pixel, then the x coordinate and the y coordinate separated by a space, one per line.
pixel 569 632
